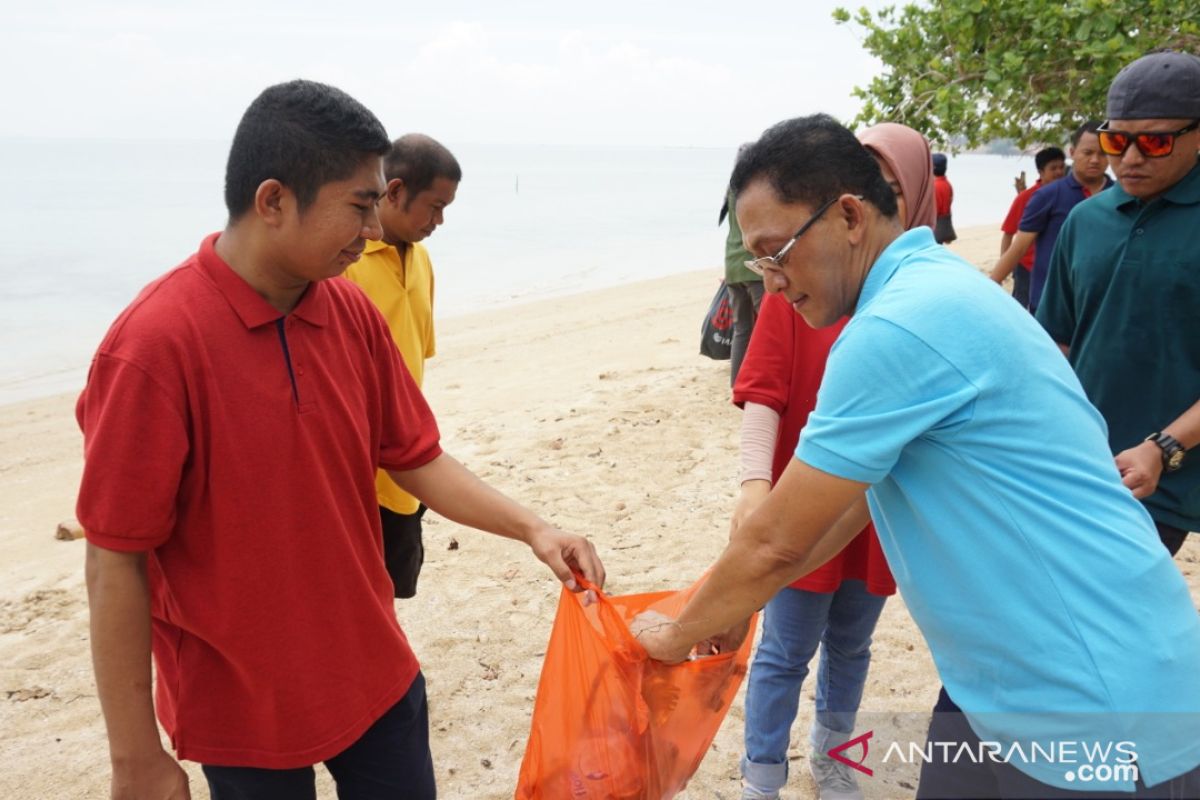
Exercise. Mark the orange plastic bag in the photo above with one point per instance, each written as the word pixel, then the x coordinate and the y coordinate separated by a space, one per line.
pixel 611 724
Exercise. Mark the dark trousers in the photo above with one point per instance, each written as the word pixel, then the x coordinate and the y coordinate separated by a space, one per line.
pixel 967 780
pixel 1021 286
pixel 391 761
pixel 744 301
pixel 403 550
pixel 943 230
pixel 1173 538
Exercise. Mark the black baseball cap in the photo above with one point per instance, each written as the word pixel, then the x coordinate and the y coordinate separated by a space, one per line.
pixel 1164 85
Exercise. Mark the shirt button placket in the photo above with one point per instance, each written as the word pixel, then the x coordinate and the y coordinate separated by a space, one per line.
pixel 298 351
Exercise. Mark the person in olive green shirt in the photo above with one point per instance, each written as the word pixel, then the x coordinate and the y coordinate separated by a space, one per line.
pixel 745 290
pixel 1123 294
pixel 396 274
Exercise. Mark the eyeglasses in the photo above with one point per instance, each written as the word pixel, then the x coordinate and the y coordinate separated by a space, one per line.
pixel 1151 144
pixel 759 266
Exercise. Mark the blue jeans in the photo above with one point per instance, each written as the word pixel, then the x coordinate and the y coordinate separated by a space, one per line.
pixel 795 623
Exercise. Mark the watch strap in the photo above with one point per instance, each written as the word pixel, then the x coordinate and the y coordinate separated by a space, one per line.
pixel 1172 451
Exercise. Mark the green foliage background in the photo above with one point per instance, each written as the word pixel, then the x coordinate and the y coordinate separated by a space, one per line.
pixel 1028 70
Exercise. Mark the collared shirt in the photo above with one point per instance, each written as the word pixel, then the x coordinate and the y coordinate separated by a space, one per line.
pixel 1051 608
pixel 1044 215
pixel 1124 294
pixel 401 287
pixel 236 447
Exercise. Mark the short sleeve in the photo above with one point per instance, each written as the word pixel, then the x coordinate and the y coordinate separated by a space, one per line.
pixel 766 371
pixel 1056 309
pixel 1015 212
pixel 135 437
pixel 884 388
pixel 409 436
pixel 1037 211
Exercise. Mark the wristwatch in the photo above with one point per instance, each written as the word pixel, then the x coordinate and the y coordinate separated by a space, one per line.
pixel 1172 451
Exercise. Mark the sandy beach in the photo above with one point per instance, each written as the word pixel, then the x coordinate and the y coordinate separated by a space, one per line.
pixel 594 409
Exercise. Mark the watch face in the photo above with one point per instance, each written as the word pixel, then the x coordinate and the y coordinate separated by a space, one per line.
pixel 1175 461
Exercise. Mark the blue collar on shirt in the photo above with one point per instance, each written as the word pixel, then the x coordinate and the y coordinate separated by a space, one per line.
pixel 889 261
pixel 1073 182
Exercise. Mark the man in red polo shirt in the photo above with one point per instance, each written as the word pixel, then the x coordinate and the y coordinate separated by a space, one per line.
pixel 1051 163
pixel 233 420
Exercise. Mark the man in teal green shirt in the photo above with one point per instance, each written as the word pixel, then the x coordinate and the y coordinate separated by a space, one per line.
pixel 1123 294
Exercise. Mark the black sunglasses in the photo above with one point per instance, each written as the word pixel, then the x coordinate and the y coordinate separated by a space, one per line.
pixel 1151 144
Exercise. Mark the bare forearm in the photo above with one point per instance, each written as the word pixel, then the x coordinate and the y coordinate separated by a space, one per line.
pixel 849 525
pixel 119 601
pixel 454 492
pixel 774 547
pixel 1186 427
pixel 457 494
pixel 1012 255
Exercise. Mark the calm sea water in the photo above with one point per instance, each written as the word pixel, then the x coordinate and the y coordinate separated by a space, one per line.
pixel 85 224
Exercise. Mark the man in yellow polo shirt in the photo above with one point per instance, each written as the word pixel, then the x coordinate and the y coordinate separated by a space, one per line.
pixel 422 177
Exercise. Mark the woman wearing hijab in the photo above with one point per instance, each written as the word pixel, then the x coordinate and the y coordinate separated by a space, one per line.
pixel 837 605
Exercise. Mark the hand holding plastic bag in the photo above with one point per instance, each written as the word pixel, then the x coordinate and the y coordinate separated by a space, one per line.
pixel 611 724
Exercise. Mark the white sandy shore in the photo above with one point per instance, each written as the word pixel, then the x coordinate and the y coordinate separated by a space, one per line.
pixel 594 409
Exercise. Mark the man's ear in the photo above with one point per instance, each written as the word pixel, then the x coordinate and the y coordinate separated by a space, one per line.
pixel 272 200
pixel 854 212
pixel 397 191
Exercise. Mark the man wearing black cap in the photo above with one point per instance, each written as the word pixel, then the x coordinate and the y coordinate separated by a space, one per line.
pixel 1123 294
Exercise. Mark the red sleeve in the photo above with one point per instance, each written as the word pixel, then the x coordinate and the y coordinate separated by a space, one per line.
pixel 765 376
pixel 135 442
pixel 1013 221
pixel 1015 211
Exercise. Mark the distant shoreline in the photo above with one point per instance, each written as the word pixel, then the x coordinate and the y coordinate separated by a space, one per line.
pixel 69 379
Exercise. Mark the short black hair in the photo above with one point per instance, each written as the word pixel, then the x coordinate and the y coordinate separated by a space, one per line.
pixel 419 160
pixel 303 134
pixel 1046 155
pixel 812 160
pixel 1091 126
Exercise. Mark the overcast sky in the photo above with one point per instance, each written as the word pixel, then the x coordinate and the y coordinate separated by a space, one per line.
pixel 669 73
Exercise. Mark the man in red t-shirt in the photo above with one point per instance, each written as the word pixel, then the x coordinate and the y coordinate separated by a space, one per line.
pixel 943 199
pixel 233 419
pixel 1051 163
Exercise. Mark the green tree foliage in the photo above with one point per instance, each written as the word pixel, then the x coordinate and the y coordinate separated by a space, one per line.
pixel 1027 70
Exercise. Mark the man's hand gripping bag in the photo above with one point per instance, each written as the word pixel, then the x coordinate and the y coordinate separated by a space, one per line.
pixel 611 724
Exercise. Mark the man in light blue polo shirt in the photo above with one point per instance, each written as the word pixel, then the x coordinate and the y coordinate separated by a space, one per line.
pixel 1053 614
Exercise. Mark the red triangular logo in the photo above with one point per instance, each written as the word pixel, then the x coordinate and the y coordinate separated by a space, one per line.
pixel 836 752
